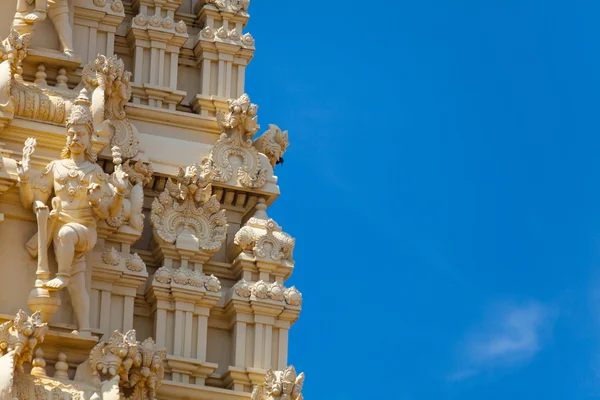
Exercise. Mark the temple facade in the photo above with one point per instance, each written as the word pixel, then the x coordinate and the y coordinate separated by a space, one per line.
pixel 139 260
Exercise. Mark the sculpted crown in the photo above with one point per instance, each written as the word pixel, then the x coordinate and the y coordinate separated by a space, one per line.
pixel 80 112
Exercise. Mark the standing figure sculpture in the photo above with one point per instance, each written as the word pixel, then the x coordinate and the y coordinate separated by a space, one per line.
pixel 57 10
pixel 82 196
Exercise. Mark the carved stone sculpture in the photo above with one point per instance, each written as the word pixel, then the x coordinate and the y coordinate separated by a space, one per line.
pixel 280 385
pixel 139 366
pixel 31 11
pixel 264 238
pixel 112 89
pixel 82 196
pixel 238 126
pixel 187 214
pixel 273 144
pixel 22 335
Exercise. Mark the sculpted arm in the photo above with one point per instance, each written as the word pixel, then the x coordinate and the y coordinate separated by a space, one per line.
pixel 35 195
pixel 110 205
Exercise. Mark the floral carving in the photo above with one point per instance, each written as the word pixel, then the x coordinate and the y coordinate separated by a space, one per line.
pixel 187 212
pixel 247 40
pixel 181 27
pixel 276 291
pixel 168 23
pixel 222 33
pixel 135 263
pixel 107 75
pixel 140 20
pixel 183 276
pixel 293 297
pixel 117 6
pixel 154 21
pixel 280 385
pixel 207 33
pixel 273 143
pixel 22 335
pixel 234 35
pixel 99 3
pixel 237 127
pixel 242 288
pixel 111 256
pixel 260 290
pixel 139 366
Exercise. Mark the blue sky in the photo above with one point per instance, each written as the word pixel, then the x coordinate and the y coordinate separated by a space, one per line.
pixel 443 183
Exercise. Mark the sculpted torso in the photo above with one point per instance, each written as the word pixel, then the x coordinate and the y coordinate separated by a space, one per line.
pixel 70 183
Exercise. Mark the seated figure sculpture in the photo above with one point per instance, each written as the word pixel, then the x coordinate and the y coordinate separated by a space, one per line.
pixel 82 196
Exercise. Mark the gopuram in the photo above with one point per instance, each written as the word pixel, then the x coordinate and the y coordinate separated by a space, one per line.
pixel 137 257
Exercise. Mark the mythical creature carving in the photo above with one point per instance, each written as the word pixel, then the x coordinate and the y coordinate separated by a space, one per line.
pixel 139 366
pixel 187 214
pixel 140 174
pixel 264 238
pixel 273 144
pixel 83 194
pixel 238 126
pixel 280 385
pixel 22 335
pixel 112 89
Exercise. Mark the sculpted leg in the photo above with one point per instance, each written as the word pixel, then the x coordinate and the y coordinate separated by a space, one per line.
pixel 64 31
pixel 39 14
pixel 64 247
pixel 81 302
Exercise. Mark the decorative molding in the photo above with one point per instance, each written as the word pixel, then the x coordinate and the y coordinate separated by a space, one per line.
pixel 187 277
pixel 262 290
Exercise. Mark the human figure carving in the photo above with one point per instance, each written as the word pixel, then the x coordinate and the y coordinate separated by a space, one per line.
pixel 82 196
pixel 57 10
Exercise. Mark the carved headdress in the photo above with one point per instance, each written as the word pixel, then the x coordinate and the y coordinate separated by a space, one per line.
pixel 81 114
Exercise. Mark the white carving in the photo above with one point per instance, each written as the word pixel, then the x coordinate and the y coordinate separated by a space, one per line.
pixel 273 143
pixel 22 335
pixel 112 89
pixel 280 385
pixel 111 256
pixel 237 127
pixel 187 214
pixel 135 263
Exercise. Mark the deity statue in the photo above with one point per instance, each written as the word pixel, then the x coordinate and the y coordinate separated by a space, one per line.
pixel 83 194
pixel 57 10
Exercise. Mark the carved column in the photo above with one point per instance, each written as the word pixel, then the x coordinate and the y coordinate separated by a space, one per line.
pixel 156 41
pixel 222 53
pixel 96 22
pixel 189 227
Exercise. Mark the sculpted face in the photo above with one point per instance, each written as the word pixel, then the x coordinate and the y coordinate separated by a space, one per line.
pixel 78 139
